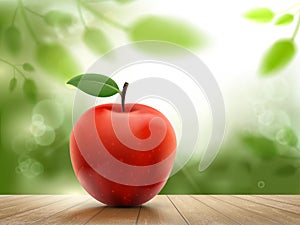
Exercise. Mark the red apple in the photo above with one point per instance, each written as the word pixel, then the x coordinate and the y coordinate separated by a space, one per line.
pixel 122 154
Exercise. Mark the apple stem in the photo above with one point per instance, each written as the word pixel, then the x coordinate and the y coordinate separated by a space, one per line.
pixel 123 94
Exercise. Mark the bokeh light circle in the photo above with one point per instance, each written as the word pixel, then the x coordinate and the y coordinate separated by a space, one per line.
pixel 50 112
pixel 261 184
pixel 29 167
pixel 47 138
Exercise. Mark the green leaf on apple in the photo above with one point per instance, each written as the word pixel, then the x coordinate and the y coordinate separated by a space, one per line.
pixel 278 56
pixel 95 84
pixel 260 15
pixel 166 29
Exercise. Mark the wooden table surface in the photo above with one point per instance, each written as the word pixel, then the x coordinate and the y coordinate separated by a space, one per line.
pixel 163 209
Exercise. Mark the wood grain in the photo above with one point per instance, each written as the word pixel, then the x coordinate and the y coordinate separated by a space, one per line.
pixel 78 214
pixel 16 199
pixel 290 199
pixel 29 216
pixel 162 210
pixel 20 205
pixel 116 215
pixel 279 215
pixel 238 214
pixel 197 212
pixel 271 203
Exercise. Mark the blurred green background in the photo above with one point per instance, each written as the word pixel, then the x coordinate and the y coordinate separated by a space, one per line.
pixel 43 43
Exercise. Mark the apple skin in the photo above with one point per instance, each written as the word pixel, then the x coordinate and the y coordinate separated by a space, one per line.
pixel 122 158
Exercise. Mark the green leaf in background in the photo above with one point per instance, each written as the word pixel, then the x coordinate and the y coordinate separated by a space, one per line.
pixel 287 136
pixel 7 9
pixel 286 170
pixel 96 41
pixel 166 29
pixel 28 67
pixel 260 15
pixel 285 19
pixel 57 60
pixel 30 90
pixel 246 166
pixel 95 84
pixel 6 12
pixel 12 84
pixel 260 146
pixel 58 18
pixel 278 56
pixel 13 40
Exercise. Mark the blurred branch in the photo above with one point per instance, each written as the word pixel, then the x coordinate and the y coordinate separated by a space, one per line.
pixel 33 12
pixel 80 14
pixel 14 16
pixel 56 59
pixel 102 16
pixel 296 29
pixel 31 31
pixel 283 51
pixel 14 67
pixel 289 8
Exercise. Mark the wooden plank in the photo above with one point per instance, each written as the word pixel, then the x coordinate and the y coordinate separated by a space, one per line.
pixel 236 213
pixel 196 212
pixel 279 215
pixel 160 211
pixel 272 203
pixel 76 215
pixel 11 197
pixel 116 215
pixel 44 211
pixel 20 205
pixel 289 199
pixel 16 199
pixel 4 197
